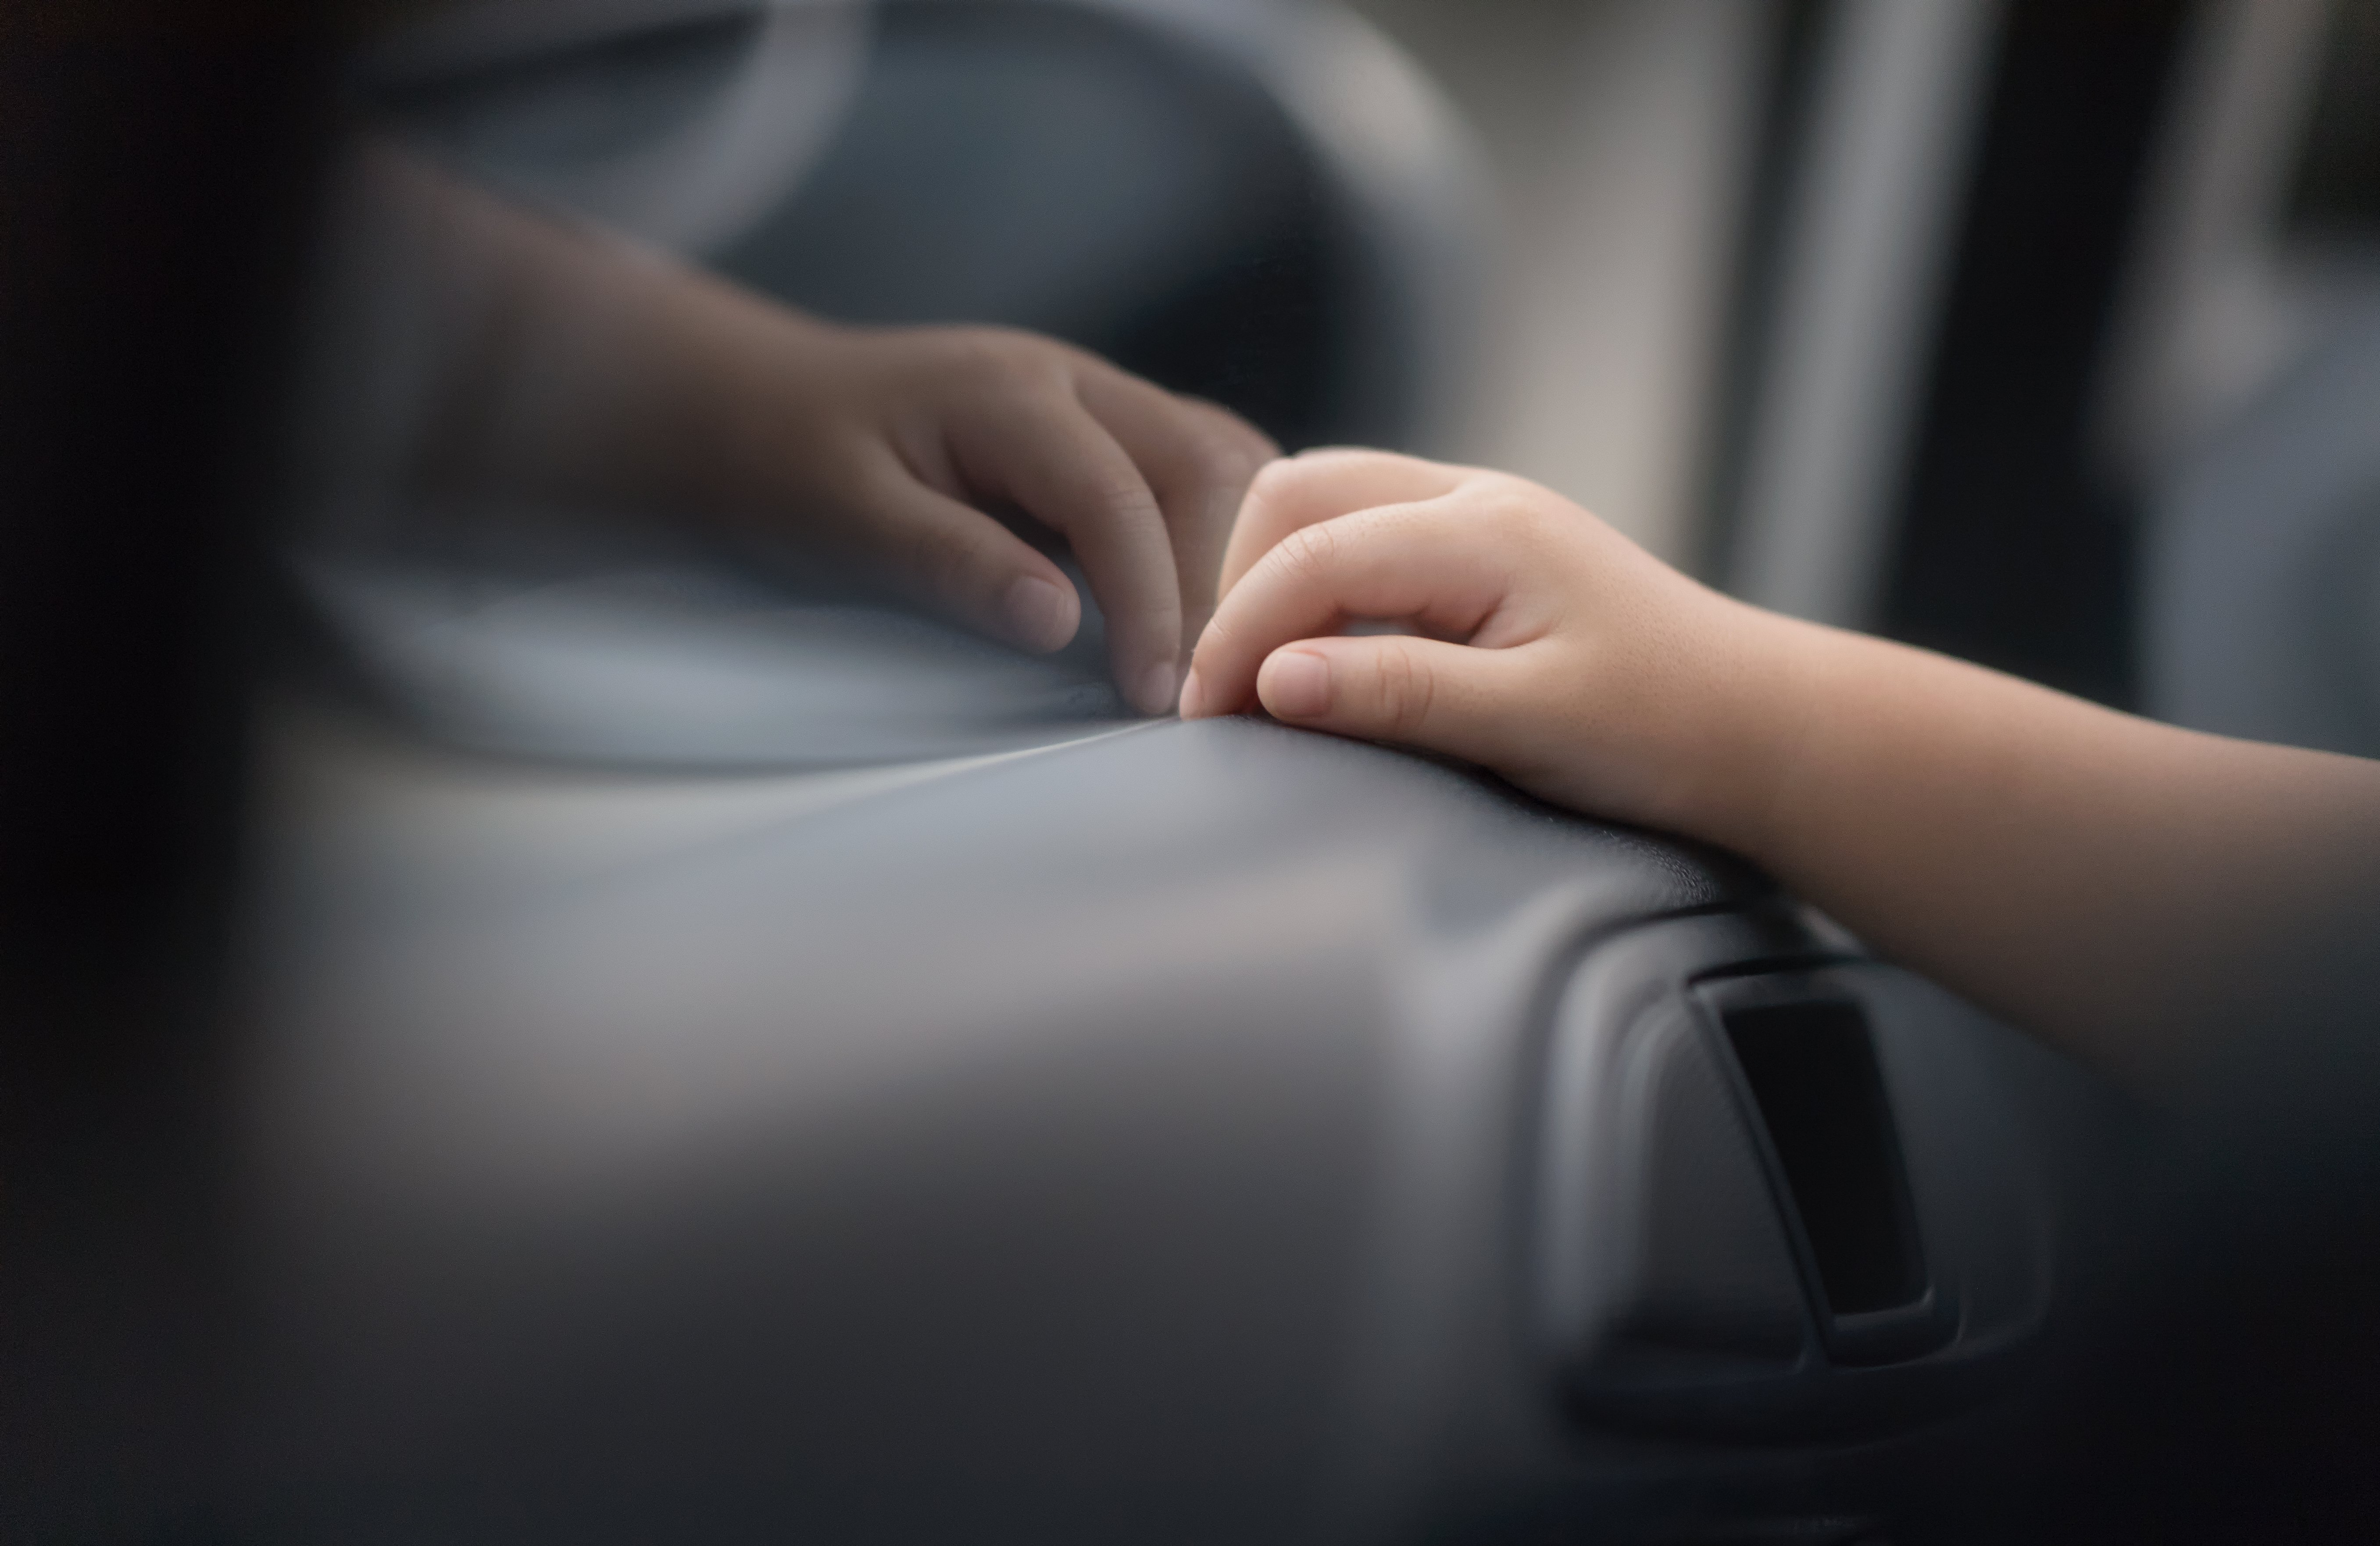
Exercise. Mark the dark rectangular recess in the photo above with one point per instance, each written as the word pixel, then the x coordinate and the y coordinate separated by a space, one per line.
pixel 1812 1072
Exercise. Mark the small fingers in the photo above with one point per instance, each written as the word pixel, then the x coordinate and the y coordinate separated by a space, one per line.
pixel 1419 693
pixel 1199 459
pixel 1316 486
pixel 958 562
pixel 1043 450
pixel 1425 562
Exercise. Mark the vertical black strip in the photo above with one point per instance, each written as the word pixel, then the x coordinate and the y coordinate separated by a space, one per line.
pixel 155 162
pixel 2008 550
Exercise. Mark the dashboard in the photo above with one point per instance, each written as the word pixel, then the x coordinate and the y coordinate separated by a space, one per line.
pixel 1154 1130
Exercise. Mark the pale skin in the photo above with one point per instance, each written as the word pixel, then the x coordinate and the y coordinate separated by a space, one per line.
pixel 2098 878
pixel 601 375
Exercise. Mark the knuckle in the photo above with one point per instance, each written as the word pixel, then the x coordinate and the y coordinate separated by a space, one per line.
pixel 1511 509
pixel 1308 554
pixel 1218 633
pixel 1126 504
pixel 1274 481
pixel 1248 446
pixel 1503 506
pixel 1219 640
pixel 935 565
pixel 1406 687
pixel 1221 459
pixel 1002 357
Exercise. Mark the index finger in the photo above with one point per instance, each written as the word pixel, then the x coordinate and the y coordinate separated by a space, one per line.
pixel 1048 453
pixel 1320 485
pixel 1422 561
pixel 1198 458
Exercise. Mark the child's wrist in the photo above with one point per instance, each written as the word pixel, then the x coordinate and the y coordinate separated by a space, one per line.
pixel 1751 732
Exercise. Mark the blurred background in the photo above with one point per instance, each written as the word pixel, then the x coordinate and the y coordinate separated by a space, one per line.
pixel 1957 322
pixel 2039 333
pixel 1971 324
pixel 2043 332
pixel 1949 318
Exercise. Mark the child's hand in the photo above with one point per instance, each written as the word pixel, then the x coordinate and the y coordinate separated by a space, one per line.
pixel 2114 883
pixel 1556 652
pixel 584 375
pixel 887 447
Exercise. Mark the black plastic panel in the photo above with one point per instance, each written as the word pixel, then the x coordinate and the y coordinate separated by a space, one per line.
pixel 1861 1179
pixel 1812 1075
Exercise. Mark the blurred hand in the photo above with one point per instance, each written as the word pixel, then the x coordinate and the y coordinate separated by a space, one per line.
pixel 1550 647
pixel 886 448
pixel 577 371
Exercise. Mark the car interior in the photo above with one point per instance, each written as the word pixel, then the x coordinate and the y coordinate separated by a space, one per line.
pixel 526 1033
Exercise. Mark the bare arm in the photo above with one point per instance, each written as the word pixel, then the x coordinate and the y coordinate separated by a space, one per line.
pixel 2115 883
pixel 2107 881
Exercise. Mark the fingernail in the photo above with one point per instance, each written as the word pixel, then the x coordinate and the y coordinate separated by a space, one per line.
pixel 1157 684
pixel 1296 685
pixel 1194 696
pixel 1036 613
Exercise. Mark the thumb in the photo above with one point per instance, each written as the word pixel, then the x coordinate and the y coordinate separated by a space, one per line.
pixel 1419 693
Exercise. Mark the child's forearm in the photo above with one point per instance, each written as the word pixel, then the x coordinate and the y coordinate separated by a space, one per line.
pixel 2117 885
pixel 2107 880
